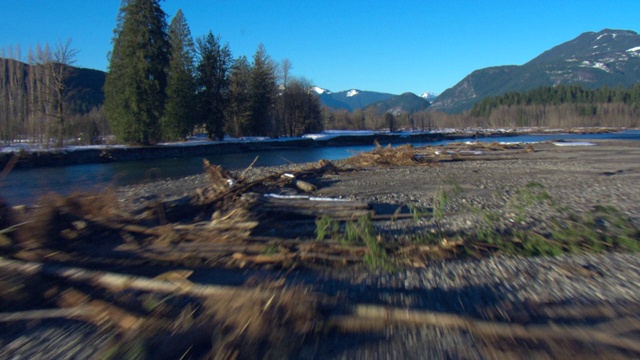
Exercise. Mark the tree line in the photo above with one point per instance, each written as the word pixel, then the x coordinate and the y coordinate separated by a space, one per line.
pixel 589 99
pixel 163 86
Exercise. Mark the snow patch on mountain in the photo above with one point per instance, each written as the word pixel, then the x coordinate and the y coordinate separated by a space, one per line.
pixel 635 49
pixel 596 65
pixel 352 92
pixel 428 95
pixel 320 90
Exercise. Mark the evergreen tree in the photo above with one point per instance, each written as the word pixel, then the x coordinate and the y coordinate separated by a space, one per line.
pixel 178 119
pixel 239 110
pixel 262 94
pixel 136 82
pixel 214 64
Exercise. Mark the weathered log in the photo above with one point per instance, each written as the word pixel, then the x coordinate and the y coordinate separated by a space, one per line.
pixel 78 312
pixel 263 258
pixel 207 247
pixel 101 312
pixel 372 317
pixel 314 208
pixel 113 281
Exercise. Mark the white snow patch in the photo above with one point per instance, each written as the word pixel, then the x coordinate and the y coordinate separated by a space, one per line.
pixel 574 143
pixel 353 92
pixel 311 198
pixel 320 90
pixel 472 152
pixel 39 148
pixel 330 134
pixel 635 49
pixel 517 142
pixel 596 65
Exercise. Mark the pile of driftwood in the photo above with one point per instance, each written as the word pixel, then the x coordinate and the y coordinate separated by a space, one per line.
pixel 408 155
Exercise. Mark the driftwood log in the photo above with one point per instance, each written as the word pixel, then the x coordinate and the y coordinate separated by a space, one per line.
pixel 371 317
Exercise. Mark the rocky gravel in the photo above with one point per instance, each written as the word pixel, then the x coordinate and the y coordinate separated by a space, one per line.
pixel 501 288
pixel 544 290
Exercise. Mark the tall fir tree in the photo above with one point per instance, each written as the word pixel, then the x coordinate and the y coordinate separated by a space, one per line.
pixel 136 82
pixel 263 91
pixel 178 119
pixel 239 110
pixel 212 79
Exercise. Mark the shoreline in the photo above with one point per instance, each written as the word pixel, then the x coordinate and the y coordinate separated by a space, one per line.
pixel 576 180
pixel 64 157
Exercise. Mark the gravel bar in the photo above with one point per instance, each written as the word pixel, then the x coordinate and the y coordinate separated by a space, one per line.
pixel 501 288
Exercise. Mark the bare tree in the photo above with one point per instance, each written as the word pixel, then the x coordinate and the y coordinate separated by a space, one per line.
pixel 50 97
pixel 285 68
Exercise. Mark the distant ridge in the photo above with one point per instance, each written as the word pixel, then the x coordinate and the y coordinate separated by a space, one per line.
pixel 350 99
pixel 406 103
pixel 609 57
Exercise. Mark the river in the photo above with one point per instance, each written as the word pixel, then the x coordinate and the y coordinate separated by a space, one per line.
pixel 24 186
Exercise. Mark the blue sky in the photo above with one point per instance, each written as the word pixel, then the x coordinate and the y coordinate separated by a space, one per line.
pixel 378 45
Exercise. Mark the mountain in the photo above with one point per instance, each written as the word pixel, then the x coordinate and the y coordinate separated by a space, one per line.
pixel 401 104
pixel 608 57
pixel 350 99
pixel 87 87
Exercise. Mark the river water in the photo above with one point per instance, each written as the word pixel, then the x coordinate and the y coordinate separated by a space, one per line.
pixel 24 186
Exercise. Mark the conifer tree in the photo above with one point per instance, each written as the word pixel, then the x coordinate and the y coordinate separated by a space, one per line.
pixel 262 94
pixel 178 119
pixel 212 79
pixel 239 110
pixel 136 82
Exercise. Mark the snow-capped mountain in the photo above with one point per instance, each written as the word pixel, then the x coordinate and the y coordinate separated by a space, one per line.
pixel 428 95
pixel 350 99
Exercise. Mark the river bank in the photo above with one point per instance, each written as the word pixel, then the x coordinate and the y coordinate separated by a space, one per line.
pixel 133 153
pixel 108 154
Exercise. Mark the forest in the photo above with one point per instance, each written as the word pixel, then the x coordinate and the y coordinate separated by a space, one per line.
pixel 561 106
pixel 161 85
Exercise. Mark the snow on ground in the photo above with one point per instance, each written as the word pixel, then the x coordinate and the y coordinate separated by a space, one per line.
pixel 330 134
pixel 574 143
pixel 311 198
pixel 33 147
